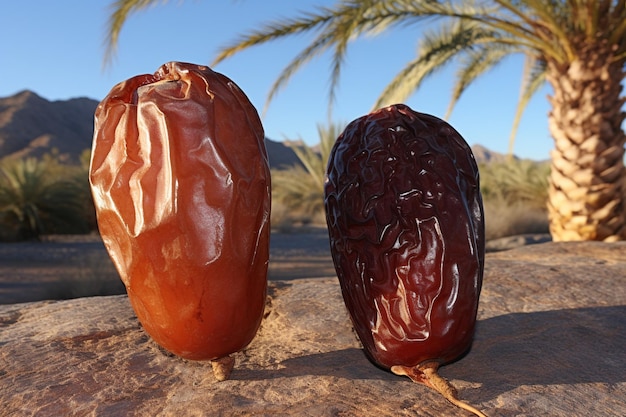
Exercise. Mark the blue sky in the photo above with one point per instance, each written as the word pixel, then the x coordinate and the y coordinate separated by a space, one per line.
pixel 56 49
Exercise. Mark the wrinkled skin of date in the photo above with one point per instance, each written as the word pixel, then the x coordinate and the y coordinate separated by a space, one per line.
pixel 181 183
pixel 405 220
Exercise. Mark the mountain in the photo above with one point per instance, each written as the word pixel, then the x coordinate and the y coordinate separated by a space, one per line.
pixel 484 155
pixel 30 125
pixel 280 154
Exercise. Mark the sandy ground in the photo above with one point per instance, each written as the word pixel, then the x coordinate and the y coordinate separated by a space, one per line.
pixel 64 267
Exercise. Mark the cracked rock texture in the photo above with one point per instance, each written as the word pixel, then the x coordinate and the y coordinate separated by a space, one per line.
pixel 550 341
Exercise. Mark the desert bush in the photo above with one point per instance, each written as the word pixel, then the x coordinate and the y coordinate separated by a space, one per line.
pixel 515 194
pixel 516 181
pixel 41 196
pixel 298 191
pixel 503 218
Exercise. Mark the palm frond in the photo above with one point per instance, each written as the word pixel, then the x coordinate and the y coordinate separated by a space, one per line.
pixel 436 50
pixel 476 63
pixel 328 135
pixel 618 32
pixel 534 76
pixel 513 18
pixel 277 29
pixel 328 22
pixel 316 48
pixel 337 28
pixel 300 188
pixel 477 34
pixel 121 10
pixel 548 21
pixel 314 161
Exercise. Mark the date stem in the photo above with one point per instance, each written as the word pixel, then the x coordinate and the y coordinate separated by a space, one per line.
pixel 222 367
pixel 426 373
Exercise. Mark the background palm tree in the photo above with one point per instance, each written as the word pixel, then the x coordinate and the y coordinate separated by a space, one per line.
pixel 577 46
pixel 37 198
pixel 299 189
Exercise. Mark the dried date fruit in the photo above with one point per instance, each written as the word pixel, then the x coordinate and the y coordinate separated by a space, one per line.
pixel 405 221
pixel 181 183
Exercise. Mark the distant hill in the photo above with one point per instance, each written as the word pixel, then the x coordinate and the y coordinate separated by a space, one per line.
pixel 30 125
pixel 280 155
pixel 484 155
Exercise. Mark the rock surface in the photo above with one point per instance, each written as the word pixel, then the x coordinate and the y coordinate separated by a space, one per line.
pixel 550 342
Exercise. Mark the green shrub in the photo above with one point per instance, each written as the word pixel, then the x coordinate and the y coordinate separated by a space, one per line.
pixel 515 194
pixel 516 181
pixel 298 191
pixel 41 196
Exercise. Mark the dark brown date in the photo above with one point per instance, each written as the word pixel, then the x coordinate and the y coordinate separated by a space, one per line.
pixel 405 220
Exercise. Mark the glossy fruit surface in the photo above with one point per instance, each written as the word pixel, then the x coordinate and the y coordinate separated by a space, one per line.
pixel 405 221
pixel 181 183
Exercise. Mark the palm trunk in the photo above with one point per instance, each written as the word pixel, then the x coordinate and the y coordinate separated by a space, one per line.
pixel 587 190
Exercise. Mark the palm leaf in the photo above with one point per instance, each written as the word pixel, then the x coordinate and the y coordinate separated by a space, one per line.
pixel 534 77
pixel 300 188
pixel 121 10
pixel 477 34
pixel 336 27
pixel 476 63
pixel 435 51
pixel 318 47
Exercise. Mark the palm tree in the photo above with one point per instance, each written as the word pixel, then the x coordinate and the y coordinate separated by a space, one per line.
pixel 35 200
pixel 577 46
pixel 300 188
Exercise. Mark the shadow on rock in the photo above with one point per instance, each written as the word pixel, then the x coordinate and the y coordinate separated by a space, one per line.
pixel 348 363
pixel 570 346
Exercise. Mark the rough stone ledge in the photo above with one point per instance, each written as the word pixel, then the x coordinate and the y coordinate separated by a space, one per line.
pixel 550 342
